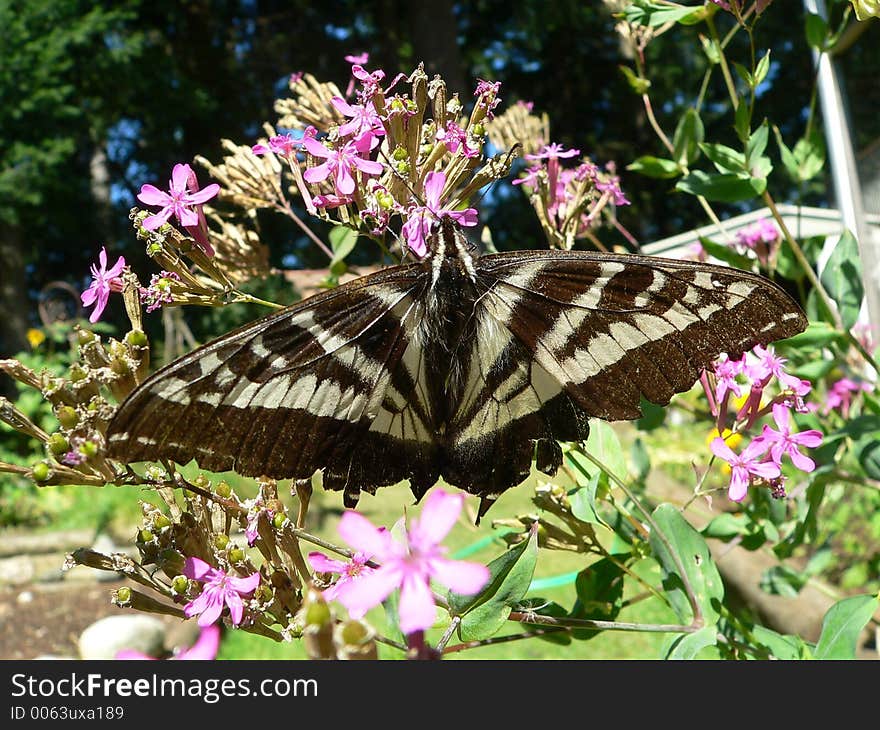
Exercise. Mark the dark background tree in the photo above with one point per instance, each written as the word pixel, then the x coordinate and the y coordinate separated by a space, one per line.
pixel 101 97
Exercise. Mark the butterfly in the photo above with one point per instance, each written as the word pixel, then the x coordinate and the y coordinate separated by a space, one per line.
pixel 462 367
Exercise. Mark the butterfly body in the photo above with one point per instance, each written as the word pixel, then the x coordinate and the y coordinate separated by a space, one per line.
pixel 461 367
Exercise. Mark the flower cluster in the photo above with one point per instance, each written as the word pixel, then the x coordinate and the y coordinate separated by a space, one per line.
pixel 762 239
pixel 569 202
pixel 386 152
pixel 746 381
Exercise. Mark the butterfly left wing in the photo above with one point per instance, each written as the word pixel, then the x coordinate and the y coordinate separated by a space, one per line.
pixel 566 335
pixel 324 384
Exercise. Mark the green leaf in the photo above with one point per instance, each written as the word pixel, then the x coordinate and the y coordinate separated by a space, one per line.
pixel 860 427
pixel 869 457
pixel 780 580
pixel 726 254
pixel 780 646
pixel 817 334
pixel 842 625
pixel 711 49
pixel 727 188
pixel 638 84
pixel 583 502
pixel 744 74
pixel 654 14
pixel 599 595
pixel 688 135
pixel 510 576
pixel 342 242
pixel 762 68
pixel 810 156
pixel 756 145
pixel 742 121
pixel 816 31
pixel 842 278
pixel 656 167
pixel 603 444
pixel 691 548
pixel 687 646
pixel 725 159
pixel 726 526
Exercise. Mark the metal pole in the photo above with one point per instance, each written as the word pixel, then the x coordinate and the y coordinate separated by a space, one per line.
pixel 844 174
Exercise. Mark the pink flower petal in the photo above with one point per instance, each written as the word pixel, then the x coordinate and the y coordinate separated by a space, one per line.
pixel 317 174
pixel 116 269
pixel 765 469
pixel 739 486
pixel 212 610
pixel 102 258
pixel 434 183
pixel 439 514
pixel 197 569
pixel 810 439
pixel 370 167
pixel 103 295
pixel 151 223
pixel 722 450
pixel 460 576
pixel 236 607
pixel 188 218
pixel 361 534
pixel 342 106
pixel 244 585
pixel 417 610
pixel 370 589
pixel 203 195
pixel 151 195
pixel 343 180
pixel 206 646
pixel 323 564
pixel 315 148
pixel 89 296
pixel 180 176
pixel 802 461
pixel 467 217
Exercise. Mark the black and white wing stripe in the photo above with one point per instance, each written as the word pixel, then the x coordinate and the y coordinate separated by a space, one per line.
pixel 329 383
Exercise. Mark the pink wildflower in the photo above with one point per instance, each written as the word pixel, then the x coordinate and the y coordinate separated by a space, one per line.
pixel 455 138
pixel 422 218
pixel 341 163
pixel 349 571
pixel 745 465
pixel 784 441
pixel 183 195
pixel 104 281
pixel 762 237
pixel 219 589
pixel 283 145
pixel 552 153
pixel 364 120
pixel 410 564
pixel 841 393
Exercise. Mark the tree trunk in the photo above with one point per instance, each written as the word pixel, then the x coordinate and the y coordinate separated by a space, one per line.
pixel 13 299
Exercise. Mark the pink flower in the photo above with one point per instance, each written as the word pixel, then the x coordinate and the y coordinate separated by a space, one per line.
pixel 410 564
pixel 745 465
pixel 455 138
pixel 784 441
pixel 841 392
pixel 726 373
pixel 422 218
pixel 183 194
pixel 762 237
pixel 349 571
pixel 359 59
pixel 283 145
pixel 341 163
pixel 487 93
pixel 530 178
pixel 103 282
pixel 364 120
pixel 552 153
pixel 219 589
pixel 771 365
pixel 205 647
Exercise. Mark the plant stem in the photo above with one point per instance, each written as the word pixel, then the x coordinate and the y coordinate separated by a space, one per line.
pixel 586 623
pixel 503 639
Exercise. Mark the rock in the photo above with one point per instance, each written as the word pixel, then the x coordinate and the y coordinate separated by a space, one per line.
pixel 104 638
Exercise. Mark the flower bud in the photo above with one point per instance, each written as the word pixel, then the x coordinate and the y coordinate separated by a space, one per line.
pixel 180 584
pixel 278 520
pixel 89 449
pixel 355 640
pixel 122 596
pixel 40 472
pixel 236 555
pixel 58 444
pixel 221 541
pixel 223 489
pixel 84 336
pixel 67 417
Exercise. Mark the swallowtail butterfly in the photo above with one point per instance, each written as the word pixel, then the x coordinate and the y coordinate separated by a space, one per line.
pixel 461 367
